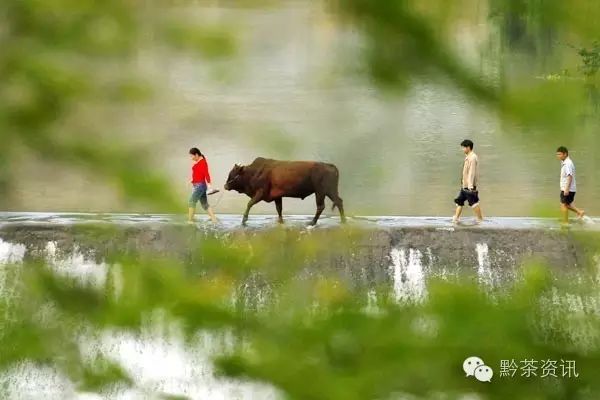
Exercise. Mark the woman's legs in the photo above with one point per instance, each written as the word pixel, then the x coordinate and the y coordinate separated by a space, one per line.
pixel 212 215
pixel 204 203
pixel 199 195
pixel 192 204
pixel 191 212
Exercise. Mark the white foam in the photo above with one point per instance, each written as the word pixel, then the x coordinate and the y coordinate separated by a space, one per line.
pixel 407 275
pixel 372 308
pixel 11 253
pixel 484 266
pixel 77 265
pixel 159 360
pixel 27 381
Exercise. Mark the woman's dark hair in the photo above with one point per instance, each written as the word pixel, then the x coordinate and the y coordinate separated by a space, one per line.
pixel 467 143
pixel 195 152
pixel 563 149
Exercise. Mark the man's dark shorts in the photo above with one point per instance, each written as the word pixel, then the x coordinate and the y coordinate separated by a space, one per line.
pixel 567 199
pixel 470 196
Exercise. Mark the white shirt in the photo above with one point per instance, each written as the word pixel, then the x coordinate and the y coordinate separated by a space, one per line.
pixel 567 169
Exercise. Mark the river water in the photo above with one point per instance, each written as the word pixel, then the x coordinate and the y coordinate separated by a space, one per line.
pixel 289 94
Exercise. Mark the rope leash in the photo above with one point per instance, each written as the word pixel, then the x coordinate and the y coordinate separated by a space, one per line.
pixel 219 200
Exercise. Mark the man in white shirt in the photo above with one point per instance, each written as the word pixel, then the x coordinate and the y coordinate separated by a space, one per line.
pixel 568 185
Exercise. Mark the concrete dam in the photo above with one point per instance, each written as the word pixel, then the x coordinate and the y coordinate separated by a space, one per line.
pixel 396 250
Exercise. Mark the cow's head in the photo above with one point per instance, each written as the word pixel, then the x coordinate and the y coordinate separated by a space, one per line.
pixel 234 180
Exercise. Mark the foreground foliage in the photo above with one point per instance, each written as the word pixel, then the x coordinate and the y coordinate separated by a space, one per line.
pixel 295 324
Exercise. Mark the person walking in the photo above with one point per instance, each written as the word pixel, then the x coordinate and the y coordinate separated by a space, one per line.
pixel 568 185
pixel 470 179
pixel 201 183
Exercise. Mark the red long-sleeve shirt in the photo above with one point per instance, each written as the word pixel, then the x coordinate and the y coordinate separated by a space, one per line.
pixel 200 172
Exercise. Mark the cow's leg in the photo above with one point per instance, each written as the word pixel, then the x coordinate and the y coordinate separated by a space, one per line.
pixel 320 197
pixel 279 206
pixel 339 203
pixel 257 197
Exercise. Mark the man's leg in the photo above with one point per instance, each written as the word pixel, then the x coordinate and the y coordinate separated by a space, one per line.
pixel 564 210
pixel 457 214
pixel 478 213
pixel 460 202
pixel 580 213
pixel 191 211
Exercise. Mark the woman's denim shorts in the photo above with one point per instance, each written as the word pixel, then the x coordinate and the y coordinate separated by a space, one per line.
pixel 199 195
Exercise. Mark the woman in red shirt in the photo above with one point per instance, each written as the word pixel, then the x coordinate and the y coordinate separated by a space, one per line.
pixel 200 182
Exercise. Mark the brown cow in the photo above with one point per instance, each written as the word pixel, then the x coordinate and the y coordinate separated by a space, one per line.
pixel 271 180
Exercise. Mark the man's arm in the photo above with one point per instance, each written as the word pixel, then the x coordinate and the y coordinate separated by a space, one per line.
pixel 566 190
pixel 471 167
pixel 569 172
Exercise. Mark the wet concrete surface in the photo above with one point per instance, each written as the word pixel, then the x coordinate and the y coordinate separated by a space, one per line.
pixel 229 221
